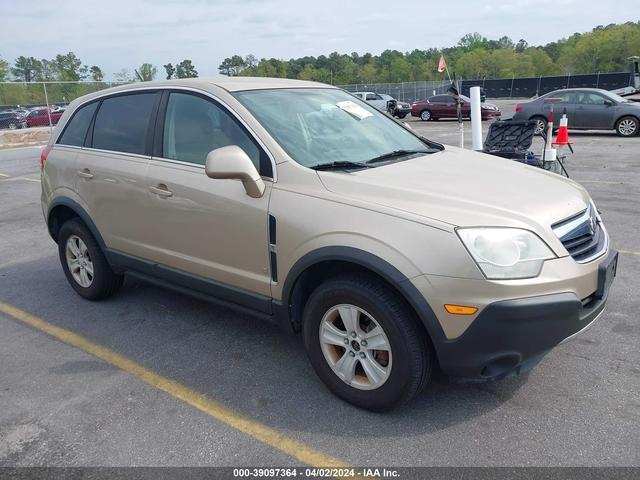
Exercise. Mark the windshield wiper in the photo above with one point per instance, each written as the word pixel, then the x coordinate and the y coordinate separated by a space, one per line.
pixel 340 164
pixel 396 153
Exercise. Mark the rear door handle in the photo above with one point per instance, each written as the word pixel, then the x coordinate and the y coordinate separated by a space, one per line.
pixel 161 190
pixel 85 173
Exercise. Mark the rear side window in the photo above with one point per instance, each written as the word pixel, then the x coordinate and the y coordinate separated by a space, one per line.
pixel 76 130
pixel 122 123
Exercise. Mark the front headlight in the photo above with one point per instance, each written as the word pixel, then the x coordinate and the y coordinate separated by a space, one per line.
pixel 506 253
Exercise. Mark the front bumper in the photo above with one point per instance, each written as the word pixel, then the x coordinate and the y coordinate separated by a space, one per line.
pixel 508 335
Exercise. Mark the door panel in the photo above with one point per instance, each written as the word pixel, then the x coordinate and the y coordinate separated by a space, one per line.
pixel 207 227
pixel 113 187
pixel 591 111
pixel 110 172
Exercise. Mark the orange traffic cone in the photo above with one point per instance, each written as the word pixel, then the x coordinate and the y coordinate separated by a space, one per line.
pixel 562 138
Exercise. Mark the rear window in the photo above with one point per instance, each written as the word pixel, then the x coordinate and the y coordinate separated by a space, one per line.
pixel 122 123
pixel 76 130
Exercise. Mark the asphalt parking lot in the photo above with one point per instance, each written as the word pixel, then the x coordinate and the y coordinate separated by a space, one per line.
pixel 60 405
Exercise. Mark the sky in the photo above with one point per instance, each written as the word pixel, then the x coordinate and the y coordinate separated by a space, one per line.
pixel 116 34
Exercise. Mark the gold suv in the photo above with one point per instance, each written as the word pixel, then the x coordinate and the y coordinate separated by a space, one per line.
pixel 296 201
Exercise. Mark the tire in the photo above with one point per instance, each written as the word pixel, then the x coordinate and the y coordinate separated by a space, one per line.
pixel 402 115
pixel 425 115
pixel 407 362
pixel 12 126
pixel 628 126
pixel 93 279
pixel 541 124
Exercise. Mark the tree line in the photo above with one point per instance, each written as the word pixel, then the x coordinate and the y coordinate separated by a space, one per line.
pixel 69 68
pixel 604 49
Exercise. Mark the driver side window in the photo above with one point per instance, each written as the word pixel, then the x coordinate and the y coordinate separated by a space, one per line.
pixel 589 98
pixel 194 126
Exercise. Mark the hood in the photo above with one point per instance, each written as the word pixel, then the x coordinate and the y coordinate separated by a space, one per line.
pixel 465 188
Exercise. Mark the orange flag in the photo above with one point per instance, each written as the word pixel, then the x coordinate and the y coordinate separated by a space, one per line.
pixel 442 65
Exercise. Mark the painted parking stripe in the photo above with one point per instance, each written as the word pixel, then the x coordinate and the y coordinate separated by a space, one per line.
pixel 629 252
pixel 4 175
pixel 248 426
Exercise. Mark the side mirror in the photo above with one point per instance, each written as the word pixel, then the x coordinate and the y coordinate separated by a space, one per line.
pixel 608 103
pixel 232 163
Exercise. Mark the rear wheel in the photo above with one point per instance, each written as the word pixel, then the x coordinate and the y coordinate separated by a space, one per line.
pixel 13 126
pixel 627 127
pixel 425 115
pixel 84 264
pixel 541 124
pixel 365 344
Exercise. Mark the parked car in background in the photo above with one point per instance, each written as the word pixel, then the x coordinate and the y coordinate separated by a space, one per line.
pixel 21 110
pixel 11 119
pixel 586 109
pixel 39 117
pixel 444 106
pixel 392 254
pixel 380 100
pixel 402 108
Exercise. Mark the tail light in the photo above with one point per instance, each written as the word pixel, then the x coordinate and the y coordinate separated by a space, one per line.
pixel 518 108
pixel 43 155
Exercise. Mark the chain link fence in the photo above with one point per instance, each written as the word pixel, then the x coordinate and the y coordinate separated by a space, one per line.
pixel 500 87
pixel 29 111
pixel 405 92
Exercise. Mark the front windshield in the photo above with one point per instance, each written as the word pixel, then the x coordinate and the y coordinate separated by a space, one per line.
pixel 316 126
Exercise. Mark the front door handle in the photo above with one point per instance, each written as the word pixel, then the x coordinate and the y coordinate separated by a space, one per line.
pixel 85 173
pixel 161 190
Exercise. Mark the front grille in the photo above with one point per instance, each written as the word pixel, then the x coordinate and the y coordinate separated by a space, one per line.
pixel 583 235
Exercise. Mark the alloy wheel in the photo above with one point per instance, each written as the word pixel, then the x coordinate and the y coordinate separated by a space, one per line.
pixel 540 126
pixel 627 127
pixel 355 346
pixel 426 115
pixel 79 261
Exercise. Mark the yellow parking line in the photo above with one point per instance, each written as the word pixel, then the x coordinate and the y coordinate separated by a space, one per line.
pixel 629 252
pixel 252 428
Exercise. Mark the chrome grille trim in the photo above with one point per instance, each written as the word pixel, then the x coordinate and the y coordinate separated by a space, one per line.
pixel 583 235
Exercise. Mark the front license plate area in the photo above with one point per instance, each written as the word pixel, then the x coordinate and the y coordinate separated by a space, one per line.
pixel 606 273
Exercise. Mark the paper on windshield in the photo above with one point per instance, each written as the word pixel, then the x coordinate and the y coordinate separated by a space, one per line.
pixel 354 109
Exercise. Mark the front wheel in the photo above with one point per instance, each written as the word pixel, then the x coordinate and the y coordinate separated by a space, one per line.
pixel 13 126
pixel 402 115
pixel 365 344
pixel 627 127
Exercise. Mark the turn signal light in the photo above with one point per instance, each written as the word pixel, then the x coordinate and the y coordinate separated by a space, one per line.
pixel 460 309
pixel 518 108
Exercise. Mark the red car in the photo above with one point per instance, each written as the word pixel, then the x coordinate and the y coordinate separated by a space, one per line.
pixel 39 117
pixel 444 106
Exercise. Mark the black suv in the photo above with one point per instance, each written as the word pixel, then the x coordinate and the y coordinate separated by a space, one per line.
pixel 12 120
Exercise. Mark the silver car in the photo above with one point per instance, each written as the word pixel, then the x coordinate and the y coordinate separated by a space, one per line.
pixel 586 109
